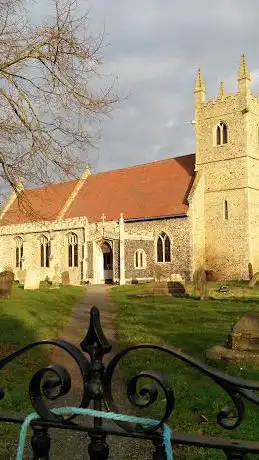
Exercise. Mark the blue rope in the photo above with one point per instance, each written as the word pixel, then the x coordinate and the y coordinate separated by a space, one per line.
pixel 167 432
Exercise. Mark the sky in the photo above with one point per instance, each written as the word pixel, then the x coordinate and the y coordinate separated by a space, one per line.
pixel 154 48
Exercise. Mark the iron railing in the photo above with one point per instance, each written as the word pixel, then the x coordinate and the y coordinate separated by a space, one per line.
pixel 54 381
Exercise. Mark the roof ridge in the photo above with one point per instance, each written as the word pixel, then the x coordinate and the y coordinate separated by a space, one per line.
pixel 141 164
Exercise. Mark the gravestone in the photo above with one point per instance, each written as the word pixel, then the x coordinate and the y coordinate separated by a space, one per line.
pixel 56 278
pixel 65 280
pixel 176 288
pixel 165 288
pixel 21 275
pixel 32 278
pixel 200 283
pixel 245 334
pixel 6 283
pixel 243 341
pixel 254 280
pixel 250 271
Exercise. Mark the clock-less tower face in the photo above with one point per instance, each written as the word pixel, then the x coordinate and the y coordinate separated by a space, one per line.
pixel 227 155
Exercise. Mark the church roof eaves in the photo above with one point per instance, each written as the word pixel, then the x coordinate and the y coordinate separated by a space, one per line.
pixel 158 188
pixel 149 191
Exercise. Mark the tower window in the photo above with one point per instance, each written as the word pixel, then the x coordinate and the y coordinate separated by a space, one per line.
pixel 226 210
pixel 221 133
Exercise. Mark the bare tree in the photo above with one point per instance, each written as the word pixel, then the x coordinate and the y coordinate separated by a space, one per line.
pixel 47 100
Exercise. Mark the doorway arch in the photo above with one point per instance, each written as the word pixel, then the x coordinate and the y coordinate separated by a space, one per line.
pixel 105 263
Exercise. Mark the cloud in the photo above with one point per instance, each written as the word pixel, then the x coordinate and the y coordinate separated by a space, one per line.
pixel 154 48
pixel 170 123
pixel 139 69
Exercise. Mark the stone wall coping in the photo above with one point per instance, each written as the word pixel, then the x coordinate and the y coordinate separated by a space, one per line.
pixel 35 227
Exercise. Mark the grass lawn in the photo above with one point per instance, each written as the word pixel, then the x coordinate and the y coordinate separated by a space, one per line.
pixel 192 326
pixel 26 317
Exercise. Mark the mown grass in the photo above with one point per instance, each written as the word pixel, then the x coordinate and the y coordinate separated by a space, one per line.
pixel 28 316
pixel 192 326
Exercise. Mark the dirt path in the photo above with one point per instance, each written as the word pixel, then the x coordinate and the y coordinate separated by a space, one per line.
pixel 68 445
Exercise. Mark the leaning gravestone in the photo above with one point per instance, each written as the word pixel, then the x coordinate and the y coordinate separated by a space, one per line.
pixel 200 283
pixel 250 271
pixel 243 341
pixel 21 275
pixel 32 278
pixel 65 278
pixel 6 283
pixel 55 278
pixel 254 280
pixel 245 334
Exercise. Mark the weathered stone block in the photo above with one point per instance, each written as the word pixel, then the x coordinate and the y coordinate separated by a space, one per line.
pixel 245 334
pixel 6 283
pixel 21 275
pixel 65 279
pixel 165 288
pixel 32 279
pixel 254 280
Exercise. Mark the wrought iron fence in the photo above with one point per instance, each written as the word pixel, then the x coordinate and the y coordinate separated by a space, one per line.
pixel 97 391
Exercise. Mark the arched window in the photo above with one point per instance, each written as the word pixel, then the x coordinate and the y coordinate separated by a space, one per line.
pixel 218 135
pixel 221 133
pixel 140 259
pixel 44 251
pixel 18 252
pixel 226 210
pixel 163 248
pixel 72 250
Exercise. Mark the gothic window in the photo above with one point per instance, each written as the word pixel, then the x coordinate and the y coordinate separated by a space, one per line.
pixel 44 251
pixel 140 259
pixel 18 252
pixel 163 248
pixel 218 135
pixel 221 133
pixel 226 210
pixel 72 250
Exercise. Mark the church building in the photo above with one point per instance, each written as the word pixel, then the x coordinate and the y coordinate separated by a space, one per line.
pixel 164 218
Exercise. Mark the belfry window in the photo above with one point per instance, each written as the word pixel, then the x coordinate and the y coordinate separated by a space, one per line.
pixel 163 248
pixel 221 133
pixel 44 251
pixel 72 250
pixel 226 210
pixel 18 252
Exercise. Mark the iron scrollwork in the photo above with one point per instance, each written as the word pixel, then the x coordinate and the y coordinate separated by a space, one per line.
pixel 52 382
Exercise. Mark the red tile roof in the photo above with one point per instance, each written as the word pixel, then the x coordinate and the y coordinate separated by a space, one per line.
pixel 39 204
pixel 154 189
pixel 149 190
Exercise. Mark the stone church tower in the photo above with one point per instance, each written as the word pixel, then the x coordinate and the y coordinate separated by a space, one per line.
pixel 227 161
